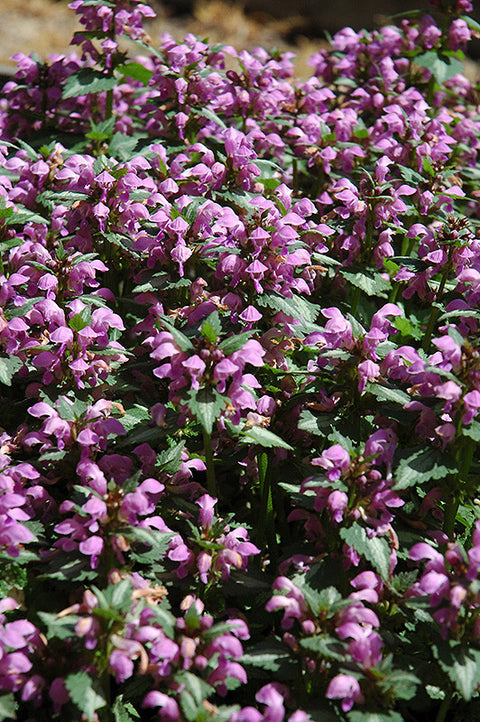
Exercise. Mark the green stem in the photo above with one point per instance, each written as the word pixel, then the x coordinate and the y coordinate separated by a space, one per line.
pixel 109 104
pixel 431 89
pixel 394 292
pixel 450 515
pixel 106 715
pixel 355 300
pixel 267 520
pixel 407 247
pixel 211 482
pixel 442 712
pixel 464 457
pixel 435 311
pixel 369 231
pixel 295 174
pixel 262 466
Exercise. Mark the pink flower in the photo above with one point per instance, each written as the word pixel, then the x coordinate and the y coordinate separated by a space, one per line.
pixel 346 688
pixel 207 510
pixel 335 460
pixel 168 708
pixel 471 403
pixel 195 368
pixel 367 371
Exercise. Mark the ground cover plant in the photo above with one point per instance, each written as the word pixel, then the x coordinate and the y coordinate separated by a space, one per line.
pixel 240 378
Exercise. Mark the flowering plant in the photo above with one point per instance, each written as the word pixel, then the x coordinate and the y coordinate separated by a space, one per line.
pixel 240 378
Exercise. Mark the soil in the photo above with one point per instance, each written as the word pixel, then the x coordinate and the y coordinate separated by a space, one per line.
pixel 47 26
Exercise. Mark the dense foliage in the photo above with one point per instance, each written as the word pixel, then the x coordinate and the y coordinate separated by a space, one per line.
pixel 240 378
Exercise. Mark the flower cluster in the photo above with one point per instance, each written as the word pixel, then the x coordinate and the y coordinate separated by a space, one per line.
pixel 450 581
pixel 19 639
pixel 240 377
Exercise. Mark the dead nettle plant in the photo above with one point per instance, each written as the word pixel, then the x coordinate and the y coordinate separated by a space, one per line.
pixel 240 378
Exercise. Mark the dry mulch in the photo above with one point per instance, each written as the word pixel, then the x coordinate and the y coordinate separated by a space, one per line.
pixel 47 26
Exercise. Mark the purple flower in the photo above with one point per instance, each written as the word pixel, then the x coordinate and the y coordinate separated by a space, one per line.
pixel 207 510
pixel 335 460
pixel 272 695
pixel 168 708
pixel 247 714
pixel 367 371
pixel 92 547
pixel 58 693
pixel 346 688
pixel 471 403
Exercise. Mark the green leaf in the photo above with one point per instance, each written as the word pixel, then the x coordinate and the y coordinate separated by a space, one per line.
pixel 325 647
pixel 373 284
pixel 428 167
pixel 64 568
pixel 375 550
pixel 361 132
pixel 6 212
pixel 22 310
pixel 169 460
pixel 85 693
pixel 406 327
pixel 357 716
pixel 208 332
pixel 441 67
pixel 156 540
pixel 136 415
pixel 215 324
pixel 421 466
pixel 317 425
pixel 348 83
pixel 195 691
pixel 270 173
pixel 296 306
pixel 410 175
pixel 78 321
pixel 180 339
pixel 120 595
pixel 208 113
pixel 137 71
pixel 8 368
pixel 10 243
pixel 206 406
pixel 59 627
pixel 271 656
pixel 264 437
pixel 460 313
pixel 192 618
pixel 472 24
pixel 102 130
pixel 69 411
pixel 97 135
pixel 87 81
pixel 403 684
pixel 234 343
pixel 190 212
pixel 472 431
pixel 12 576
pixel 165 619
pixel 120 240
pixel 403 581
pixel 124 711
pixel 190 707
pixel 7 707
pixel 384 393
pixel 462 665
pixel 122 146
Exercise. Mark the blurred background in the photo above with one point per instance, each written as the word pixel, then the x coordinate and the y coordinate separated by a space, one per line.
pixel 46 26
